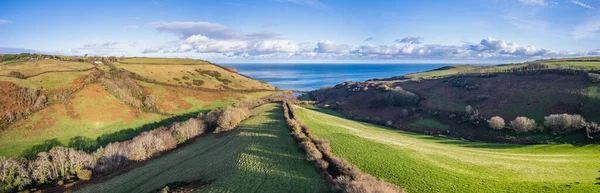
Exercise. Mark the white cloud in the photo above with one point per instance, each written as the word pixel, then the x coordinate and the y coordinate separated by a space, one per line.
pixel 131 27
pixel 102 48
pixel 4 21
pixel 588 29
pixel 528 24
pixel 217 40
pixel 534 2
pixel 411 40
pixel 325 46
pixel 582 4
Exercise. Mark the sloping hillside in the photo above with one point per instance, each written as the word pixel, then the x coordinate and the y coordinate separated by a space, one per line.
pixel 51 100
pixel 435 102
pixel 421 163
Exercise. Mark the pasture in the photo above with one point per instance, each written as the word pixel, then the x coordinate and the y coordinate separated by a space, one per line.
pixel 202 75
pixel 33 67
pixel 421 163
pixel 50 81
pixel 259 156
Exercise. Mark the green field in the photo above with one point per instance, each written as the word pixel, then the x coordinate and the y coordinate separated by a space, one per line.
pixel 421 163
pixel 33 67
pixel 260 156
pixel 593 65
pixel 50 81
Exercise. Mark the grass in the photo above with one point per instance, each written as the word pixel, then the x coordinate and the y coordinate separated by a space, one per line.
pixel 163 61
pixel 424 122
pixel 440 73
pixel 94 112
pixel 593 65
pixel 421 163
pixel 51 81
pixel 260 156
pixel 194 75
pixel 38 66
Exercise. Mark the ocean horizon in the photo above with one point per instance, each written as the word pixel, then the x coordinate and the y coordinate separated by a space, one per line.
pixel 311 76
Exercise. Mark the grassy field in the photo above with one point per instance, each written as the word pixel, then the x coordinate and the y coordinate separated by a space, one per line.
pixel 593 65
pixel 421 163
pixel 195 75
pixel 51 81
pixel 38 66
pixel 164 61
pixel 260 156
pixel 91 113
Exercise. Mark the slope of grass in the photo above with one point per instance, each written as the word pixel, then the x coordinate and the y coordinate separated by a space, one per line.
pixel 260 156
pixel 91 113
pixel 421 163
pixel 593 65
pixel 202 75
pixel 51 81
pixel 441 72
pixel 33 67
pixel 163 61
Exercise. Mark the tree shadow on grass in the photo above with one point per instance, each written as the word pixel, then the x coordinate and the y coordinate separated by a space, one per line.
pixel 44 147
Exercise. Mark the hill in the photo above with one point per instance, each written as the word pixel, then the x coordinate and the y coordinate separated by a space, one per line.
pixel 48 100
pixel 422 163
pixel 435 102
pixel 259 156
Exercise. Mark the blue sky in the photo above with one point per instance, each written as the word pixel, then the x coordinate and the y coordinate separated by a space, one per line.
pixel 307 30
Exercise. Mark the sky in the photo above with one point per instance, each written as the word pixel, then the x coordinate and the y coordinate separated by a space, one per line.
pixel 236 31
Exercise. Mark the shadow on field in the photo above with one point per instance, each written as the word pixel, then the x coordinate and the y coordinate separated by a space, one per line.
pixel 44 147
pixel 89 144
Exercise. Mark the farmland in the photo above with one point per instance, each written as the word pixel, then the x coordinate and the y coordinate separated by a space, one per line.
pixel 259 156
pixel 421 163
pixel 30 68
pixel 191 73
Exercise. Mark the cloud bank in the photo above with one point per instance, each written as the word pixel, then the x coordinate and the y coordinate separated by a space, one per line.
pixel 214 38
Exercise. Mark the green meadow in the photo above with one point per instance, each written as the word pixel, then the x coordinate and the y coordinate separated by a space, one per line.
pixel 421 163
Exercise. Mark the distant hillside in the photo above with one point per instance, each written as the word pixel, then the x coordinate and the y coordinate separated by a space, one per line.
pixel 435 102
pixel 48 100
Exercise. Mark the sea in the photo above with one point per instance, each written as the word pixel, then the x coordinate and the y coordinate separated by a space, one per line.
pixel 314 76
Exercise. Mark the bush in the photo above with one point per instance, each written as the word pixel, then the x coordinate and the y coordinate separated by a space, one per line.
pixel 399 97
pixel 17 75
pixel 522 124
pixel 594 78
pixel 188 129
pixel 231 117
pixel 13 174
pixel 84 175
pixel 364 183
pixel 564 123
pixel 312 153
pixel 592 131
pixel 496 123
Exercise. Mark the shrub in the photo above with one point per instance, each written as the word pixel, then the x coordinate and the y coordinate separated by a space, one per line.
pixel 231 117
pixel 13 174
pixel 312 153
pixel 592 131
pixel 564 123
pixel 496 123
pixel 84 175
pixel 522 124
pixel 17 75
pixel 594 78
pixel 364 183
pixel 399 97
pixel 188 129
